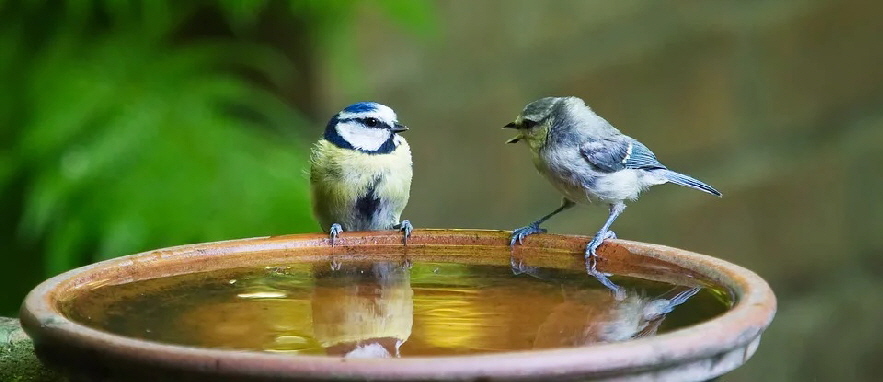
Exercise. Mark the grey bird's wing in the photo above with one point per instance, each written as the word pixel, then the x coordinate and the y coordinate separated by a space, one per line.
pixel 619 153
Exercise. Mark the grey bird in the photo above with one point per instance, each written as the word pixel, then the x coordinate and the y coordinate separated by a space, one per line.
pixel 589 161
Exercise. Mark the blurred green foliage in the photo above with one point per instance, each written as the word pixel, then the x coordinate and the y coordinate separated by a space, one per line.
pixel 120 132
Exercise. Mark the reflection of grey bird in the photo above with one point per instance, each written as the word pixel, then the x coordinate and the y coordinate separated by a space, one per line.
pixel 589 317
pixel 588 160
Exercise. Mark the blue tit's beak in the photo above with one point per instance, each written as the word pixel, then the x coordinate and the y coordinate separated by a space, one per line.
pixel 398 128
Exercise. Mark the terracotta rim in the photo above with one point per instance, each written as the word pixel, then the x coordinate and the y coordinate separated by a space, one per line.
pixel 738 328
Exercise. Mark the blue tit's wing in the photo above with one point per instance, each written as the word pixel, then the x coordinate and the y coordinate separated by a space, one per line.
pixel 614 154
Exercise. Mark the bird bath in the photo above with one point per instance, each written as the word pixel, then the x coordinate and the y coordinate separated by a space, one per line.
pixel 446 307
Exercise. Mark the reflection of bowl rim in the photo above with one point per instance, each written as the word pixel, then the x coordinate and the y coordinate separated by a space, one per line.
pixel 697 352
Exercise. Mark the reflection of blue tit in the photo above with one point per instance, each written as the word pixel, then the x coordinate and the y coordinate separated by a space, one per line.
pixel 360 174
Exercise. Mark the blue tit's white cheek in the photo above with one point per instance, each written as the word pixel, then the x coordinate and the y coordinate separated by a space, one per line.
pixel 363 138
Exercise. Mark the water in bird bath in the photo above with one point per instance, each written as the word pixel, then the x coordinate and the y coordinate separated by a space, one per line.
pixel 390 309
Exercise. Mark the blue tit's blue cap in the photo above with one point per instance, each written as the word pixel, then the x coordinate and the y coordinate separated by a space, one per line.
pixel 361 107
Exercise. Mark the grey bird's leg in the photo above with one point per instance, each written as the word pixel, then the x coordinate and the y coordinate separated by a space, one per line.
pixel 604 233
pixel 519 234
pixel 406 228
pixel 591 249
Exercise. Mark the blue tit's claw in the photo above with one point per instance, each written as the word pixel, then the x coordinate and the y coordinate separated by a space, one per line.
pixel 406 228
pixel 519 234
pixel 335 265
pixel 334 232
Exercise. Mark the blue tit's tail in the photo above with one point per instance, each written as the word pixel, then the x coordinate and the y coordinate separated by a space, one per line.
pixel 688 181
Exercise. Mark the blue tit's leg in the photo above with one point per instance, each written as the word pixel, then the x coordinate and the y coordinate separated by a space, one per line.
pixel 335 230
pixel 406 228
pixel 519 234
pixel 591 249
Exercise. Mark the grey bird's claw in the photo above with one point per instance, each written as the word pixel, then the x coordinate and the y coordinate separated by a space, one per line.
pixel 406 228
pixel 592 248
pixel 334 231
pixel 519 234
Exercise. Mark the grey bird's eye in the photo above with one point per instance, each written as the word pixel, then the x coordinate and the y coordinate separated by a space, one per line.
pixel 371 122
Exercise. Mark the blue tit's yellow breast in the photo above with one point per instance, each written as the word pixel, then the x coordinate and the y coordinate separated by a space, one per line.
pixel 344 180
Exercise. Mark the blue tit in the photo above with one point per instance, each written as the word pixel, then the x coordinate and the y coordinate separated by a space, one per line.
pixel 588 161
pixel 360 172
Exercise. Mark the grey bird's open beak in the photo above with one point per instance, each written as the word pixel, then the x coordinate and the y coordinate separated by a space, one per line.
pixel 397 128
pixel 512 125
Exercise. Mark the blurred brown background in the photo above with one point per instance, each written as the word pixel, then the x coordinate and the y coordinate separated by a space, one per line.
pixel 778 104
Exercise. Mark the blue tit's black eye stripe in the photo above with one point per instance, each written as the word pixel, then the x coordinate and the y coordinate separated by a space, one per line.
pixel 527 123
pixel 365 121
pixel 374 123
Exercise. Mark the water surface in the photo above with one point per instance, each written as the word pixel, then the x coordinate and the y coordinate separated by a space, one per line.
pixel 390 309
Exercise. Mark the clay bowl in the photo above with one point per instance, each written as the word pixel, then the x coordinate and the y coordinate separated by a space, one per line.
pixel 694 353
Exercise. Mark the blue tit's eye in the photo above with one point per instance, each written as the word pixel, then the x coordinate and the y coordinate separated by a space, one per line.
pixel 528 123
pixel 371 122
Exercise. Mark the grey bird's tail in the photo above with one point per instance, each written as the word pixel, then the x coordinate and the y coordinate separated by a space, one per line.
pixel 688 181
